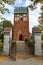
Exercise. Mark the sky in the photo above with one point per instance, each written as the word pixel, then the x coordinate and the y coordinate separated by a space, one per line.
pixel 33 15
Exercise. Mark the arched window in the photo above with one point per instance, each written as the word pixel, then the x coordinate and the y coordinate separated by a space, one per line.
pixel 15 18
pixel 21 18
pixel 25 18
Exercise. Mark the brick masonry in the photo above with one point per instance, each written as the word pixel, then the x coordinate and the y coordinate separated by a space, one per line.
pixel 21 27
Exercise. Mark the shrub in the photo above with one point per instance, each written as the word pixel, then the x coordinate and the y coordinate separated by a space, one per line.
pixel 13 42
pixel 42 37
pixel 2 37
pixel 1 48
pixel 26 40
pixel 42 46
pixel 30 41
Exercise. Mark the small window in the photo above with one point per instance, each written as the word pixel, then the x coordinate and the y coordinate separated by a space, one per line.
pixel 15 18
pixel 24 15
pixel 21 18
pixel 17 15
pixel 25 18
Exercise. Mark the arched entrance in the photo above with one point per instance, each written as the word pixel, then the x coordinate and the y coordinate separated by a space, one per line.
pixel 20 37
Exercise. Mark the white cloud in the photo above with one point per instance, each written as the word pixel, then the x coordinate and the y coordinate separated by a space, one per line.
pixel 10 7
pixel 9 17
pixel 27 2
pixel 18 1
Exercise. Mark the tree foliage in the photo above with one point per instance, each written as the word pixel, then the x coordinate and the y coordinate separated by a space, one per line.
pixel 42 36
pixel 41 19
pixel 37 1
pixel 3 9
pixel 41 16
pixel 34 3
pixel 33 6
pixel 7 23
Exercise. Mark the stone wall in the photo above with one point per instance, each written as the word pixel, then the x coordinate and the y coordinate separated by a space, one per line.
pixel 38 50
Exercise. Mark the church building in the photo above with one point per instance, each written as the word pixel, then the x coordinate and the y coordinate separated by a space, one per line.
pixel 21 23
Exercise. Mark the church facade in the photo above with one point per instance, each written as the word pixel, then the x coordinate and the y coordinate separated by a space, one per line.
pixel 21 23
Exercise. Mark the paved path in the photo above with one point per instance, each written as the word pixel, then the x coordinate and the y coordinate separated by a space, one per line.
pixel 30 61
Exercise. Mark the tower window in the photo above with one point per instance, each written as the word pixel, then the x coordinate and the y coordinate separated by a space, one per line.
pixel 25 18
pixel 24 15
pixel 21 18
pixel 15 18
pixel 17 15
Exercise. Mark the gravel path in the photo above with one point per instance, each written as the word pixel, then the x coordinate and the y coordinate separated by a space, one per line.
pixel 8 61
pixel 30 61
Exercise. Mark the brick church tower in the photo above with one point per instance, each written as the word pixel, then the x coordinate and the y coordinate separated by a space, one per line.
pixel 21 23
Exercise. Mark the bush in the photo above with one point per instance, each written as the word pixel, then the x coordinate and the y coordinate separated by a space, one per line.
pixel 2 37
pixel 30 44
pixel 42 46
pixel 30 41
pixel 1 48
pixel 26 40
pixel 42 37
pixel 13 42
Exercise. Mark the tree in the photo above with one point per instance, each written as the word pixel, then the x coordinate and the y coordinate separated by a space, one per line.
pixel 37 1
pixel 1 26
pixel 33 6
pixel 34 3
pixel 3 9
pixel 41 16
pixel 41 19
pixel 7 23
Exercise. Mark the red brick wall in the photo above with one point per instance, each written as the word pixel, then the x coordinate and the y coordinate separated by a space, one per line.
pixel 23 26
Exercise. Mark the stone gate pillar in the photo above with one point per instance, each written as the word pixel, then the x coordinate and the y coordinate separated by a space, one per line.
pixel 7 40
pixel 37 41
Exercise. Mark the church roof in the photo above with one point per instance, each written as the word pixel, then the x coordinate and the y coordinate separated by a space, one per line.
pixel 21 10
